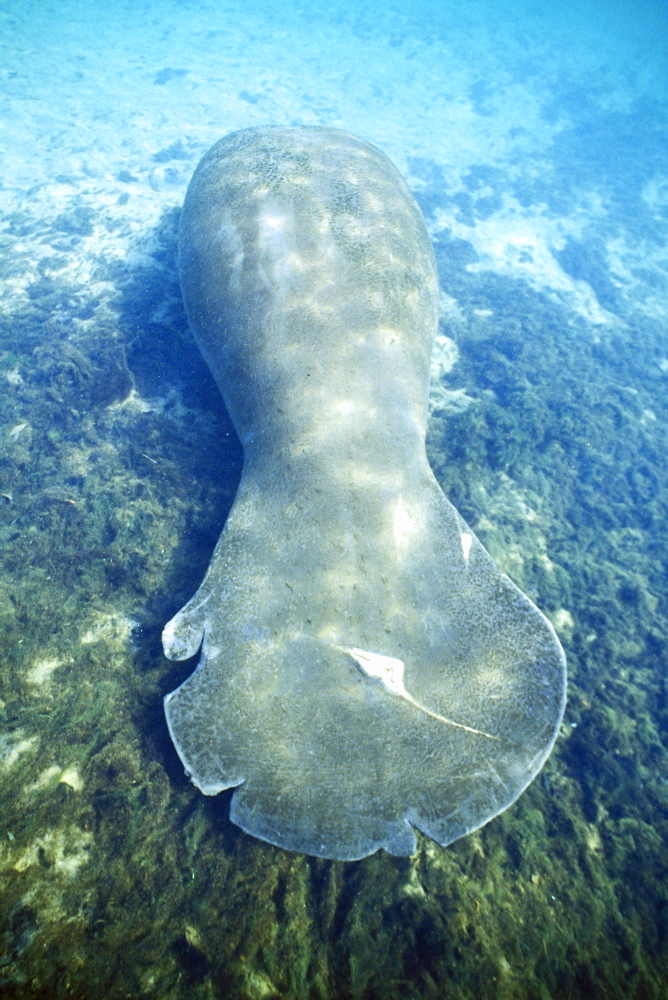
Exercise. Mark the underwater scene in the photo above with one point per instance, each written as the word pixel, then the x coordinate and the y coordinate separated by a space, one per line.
pixel 534 139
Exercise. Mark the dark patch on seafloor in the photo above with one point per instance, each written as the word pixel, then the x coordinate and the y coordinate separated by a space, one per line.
pixel 136 884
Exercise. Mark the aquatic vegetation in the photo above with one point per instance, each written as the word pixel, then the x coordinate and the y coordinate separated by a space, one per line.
pixel 117 876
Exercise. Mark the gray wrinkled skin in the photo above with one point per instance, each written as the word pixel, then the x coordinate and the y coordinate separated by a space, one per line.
pixel 365 669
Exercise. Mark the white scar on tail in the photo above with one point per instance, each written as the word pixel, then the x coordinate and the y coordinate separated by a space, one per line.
pixel 390 672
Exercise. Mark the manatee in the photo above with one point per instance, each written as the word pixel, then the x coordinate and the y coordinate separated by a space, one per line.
pixel 365 669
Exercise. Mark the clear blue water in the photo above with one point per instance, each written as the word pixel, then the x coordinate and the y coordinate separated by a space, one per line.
pixel 535 138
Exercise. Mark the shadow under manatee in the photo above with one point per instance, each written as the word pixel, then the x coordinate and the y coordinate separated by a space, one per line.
pixel 185 412
pixel 161 352
pixel 184 438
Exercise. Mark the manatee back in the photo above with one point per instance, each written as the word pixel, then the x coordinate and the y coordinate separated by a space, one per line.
pixel 307 271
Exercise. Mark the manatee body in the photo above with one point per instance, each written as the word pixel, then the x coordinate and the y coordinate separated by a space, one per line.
pixel 365 669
